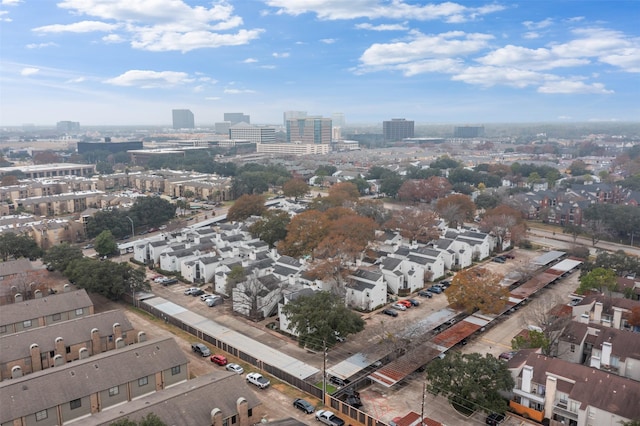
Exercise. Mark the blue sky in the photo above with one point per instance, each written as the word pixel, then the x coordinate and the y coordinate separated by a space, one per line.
pixel 125 62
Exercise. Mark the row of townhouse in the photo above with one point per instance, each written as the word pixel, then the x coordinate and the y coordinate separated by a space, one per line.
pixel 570 394
pixel 45 232
pixel 61 363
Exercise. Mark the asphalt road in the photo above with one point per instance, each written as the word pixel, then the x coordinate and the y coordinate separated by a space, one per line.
pixel 564 241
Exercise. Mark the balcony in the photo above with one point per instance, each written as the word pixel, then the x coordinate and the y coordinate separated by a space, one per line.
pixel 560 408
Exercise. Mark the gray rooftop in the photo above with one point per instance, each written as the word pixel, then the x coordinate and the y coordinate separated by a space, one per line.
pixel 49 305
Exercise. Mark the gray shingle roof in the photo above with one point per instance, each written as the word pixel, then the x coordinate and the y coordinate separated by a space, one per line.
pixel 49 305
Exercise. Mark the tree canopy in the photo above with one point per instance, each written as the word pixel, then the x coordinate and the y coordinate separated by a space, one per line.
pixel 272 227
pixel 148 420
pixel 455 209
pixel 146 211
pixel 61 255
pixel 105 244
pixel 478 289
pixel 246 206
pixel 471 380
pixel 415 224
pixel 16 246
pixel 110 279
pixel 316 319
pixel 600 279
pixel 304 233
pixel 295 188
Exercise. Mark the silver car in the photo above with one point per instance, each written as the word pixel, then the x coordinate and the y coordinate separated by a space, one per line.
pixel 235 368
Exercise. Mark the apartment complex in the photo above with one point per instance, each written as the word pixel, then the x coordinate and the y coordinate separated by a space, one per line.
pixel 51 170
pixel 397 129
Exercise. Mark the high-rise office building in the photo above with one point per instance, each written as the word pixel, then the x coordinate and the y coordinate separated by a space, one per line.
pixel 337 119
pixel 183 119
pixel 236 117
pixel 310 130
pixel 397 129
pixel 68 126
pixel 255 134
pixel 290 115
pixel 468 131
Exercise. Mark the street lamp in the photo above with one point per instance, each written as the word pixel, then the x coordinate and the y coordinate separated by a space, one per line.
pixel 133 233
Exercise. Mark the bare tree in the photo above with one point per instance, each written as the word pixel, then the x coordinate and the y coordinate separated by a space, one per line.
pixel 547 314
pixel 26 285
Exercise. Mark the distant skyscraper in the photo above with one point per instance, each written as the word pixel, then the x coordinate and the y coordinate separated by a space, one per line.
pixel 337 119
pixel 310 130
pixel 183 119
pixel 255 134
pixel 290 115
pixel 236 117
pixel 468 131
pixel 397 129
pixel 68 126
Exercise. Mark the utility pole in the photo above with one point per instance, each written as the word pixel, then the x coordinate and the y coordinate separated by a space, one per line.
pixel 424 396
pixel 324 371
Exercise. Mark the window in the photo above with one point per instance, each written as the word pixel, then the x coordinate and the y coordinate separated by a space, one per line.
pixel 573 347
pixel 3 329
pixel 114 391
pixel 143 381
pixel 76 403
pixel 56 317
pixel 41 415
pixel 233 420
pixel 26 324
pixel 175 370
pixel 79 312
pixel 68 349
pixel 250 412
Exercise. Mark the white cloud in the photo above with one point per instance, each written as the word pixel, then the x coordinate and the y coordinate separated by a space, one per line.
pixel 489 76
pixel 2 14
pixel 530 35
pixel 238 91
pixel 77 27
pixel 29 71
pixel 280 55
pixel 382 27
pixel 250 61
pixel 328 40
pixel 160 25
pixel 150 79
pixel 375 9
pixel 212 98
pixel 41 45
pixel 77 80
pixel 10 2
pixel 534 59
pixel 531 25
pixel 423 47
pixel 113 38
pixel 268 67
pixel 573 87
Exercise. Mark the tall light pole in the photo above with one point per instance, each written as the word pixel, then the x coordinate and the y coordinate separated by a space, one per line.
pixel 133 233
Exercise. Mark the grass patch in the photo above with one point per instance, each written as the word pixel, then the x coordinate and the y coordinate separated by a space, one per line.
pixel 462 409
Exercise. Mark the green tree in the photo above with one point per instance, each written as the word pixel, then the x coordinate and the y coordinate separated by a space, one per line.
pixel 61 255
pixel 148 420
pixel 600 279
pixel 105 244
pixel 110 279
pixel 390 184
pixel 104 168
pixel 16 246
pixel 188 194
pixel 471 380
pixel 272 227
pixel 534 339
pixel 317 318
pixel 151 211
pixel 295 188
pixel 245 207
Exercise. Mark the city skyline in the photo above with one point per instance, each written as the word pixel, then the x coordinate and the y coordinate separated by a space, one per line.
pixel 116 62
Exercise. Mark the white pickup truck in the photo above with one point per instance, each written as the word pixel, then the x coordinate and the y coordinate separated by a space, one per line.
pixel 258 379
pixel 328 418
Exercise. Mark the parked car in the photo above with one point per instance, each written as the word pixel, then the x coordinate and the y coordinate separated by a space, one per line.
pixel 425 293
pixel 390 312
pixel 414 302
pixel 406 303
pixel 444 284
pixel 507 355
pixel 235 368
pixel 197 292
pixel 190 290
pixel 304 405
pixel 494 419
pixel 258 379
pixel 169 281
pixel 337 381
pixel 200 349
pixel 399 306
pixel 206 296
pixel 509 256
pixel 159 278
pixel 219 359
pixel 498 260
pixel 214 301
pixel 435 289
pixel 87 247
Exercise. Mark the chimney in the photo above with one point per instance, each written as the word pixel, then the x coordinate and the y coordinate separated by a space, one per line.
pixel 36 361
pixel 60 348
pixel 527 376
pixel 58 360
pixel 117 330
pixel 16 372
pixel 83 353
pixel 551 385
pixel 606 353
pixel 216 417
pixel 597 312
pixel 584 318
pixel 96 344
pixel 617 318
pixel 242 407
pixel 142 336
pixel 37 294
